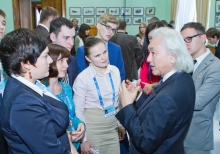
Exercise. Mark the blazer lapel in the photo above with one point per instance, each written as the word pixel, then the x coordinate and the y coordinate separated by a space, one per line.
pixel 208 59
pixel 157 90
pixel 55 102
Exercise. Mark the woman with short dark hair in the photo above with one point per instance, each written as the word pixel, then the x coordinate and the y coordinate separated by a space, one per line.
pixel 32 119
pixel 63 91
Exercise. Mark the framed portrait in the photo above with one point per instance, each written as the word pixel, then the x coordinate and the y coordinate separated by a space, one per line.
pixel 150 11
pixel 89 20
pixel 217 14
pixel 147 19
pixel 126 11
pixel 75 11
pixel 88 11
pixel 101 10
pixel 113 11
pixel 138 11
pixel 128 20
pixel 78 18
pixel 137 20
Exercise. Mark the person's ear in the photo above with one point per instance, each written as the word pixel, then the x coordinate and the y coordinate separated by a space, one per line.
pixel 53 37
pixel 25 66
pixel 88 59
pixel 203 38
pixel 98 25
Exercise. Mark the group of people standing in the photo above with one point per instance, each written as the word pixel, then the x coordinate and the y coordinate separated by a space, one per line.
pixel 57 103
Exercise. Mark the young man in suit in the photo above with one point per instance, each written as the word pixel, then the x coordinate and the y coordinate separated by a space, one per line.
pixel 107 27
pixel 46 16
pixel 199 137
pixel 157 123
pixel 62 33
pixel 213 36
pixel 131 50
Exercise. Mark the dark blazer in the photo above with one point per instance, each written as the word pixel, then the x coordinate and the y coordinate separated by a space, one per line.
pixel 131 53
pixel 217 50
pixel 115 58
pixel 72 70
pixel 158 124
pixel 32 123
pixel 42 32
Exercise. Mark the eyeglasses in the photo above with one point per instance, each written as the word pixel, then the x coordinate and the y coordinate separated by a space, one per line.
pixel 109 28
pixel 189 39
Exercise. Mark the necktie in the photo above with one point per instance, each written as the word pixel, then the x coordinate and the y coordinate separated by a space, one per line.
pixel 194 61
pixel 159 84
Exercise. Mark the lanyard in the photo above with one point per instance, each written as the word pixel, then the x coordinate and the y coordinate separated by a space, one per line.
pixel 98 89
pixel 67 102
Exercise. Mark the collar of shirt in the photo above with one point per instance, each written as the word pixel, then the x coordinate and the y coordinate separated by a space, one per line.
pixel 94 73
pixel 37 87
pixel 120 31
pixel 200 58
pixel 216 44
pixel 168 75
pixel 44 27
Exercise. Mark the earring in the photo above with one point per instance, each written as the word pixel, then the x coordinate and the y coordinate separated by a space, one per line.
pixel 30 76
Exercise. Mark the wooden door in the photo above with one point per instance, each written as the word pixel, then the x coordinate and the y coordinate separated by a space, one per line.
pixel 60 5
pixel 22 14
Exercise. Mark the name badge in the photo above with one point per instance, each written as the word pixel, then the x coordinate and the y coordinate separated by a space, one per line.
pixel 109 110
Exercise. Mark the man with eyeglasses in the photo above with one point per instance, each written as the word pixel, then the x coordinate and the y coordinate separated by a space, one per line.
pixel 206 77
pixel 107 27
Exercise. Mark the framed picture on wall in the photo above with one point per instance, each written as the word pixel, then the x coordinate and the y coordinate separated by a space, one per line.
pixel 137 20
pixel 77 18
pixel 88 11
pixel 126 11
pixel 75 11
pixel 138 11
pixel 150 11
pixel 101 10
pixel 147 19
pixel 128 20
pixel 113 11
pixel 217 14
pixel 89 20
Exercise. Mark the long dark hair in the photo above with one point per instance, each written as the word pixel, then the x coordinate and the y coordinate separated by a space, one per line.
pixel 150 27
pixel 82 31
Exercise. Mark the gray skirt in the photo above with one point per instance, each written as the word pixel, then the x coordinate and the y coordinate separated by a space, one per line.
pixel 102 132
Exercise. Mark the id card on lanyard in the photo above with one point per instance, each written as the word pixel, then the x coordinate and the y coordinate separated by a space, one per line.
pixel 109 110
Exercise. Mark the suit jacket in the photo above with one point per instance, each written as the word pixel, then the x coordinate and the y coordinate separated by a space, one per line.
pixel 115 58
pixel 207 83
pixel 131 53
pixel 158 124
pixel 42 32
pixel 32 123
pixel 217 52
pixel 72 70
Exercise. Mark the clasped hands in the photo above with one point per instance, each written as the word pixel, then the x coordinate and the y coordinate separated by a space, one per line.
pixel 78 134
pixel 129 91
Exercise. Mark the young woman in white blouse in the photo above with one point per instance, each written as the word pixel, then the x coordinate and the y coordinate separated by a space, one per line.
pixel 96 100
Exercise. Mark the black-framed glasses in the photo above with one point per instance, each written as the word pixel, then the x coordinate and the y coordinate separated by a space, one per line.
pixel 189 39
pixel 109 28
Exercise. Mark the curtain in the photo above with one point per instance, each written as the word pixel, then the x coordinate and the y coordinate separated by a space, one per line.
pixel 203 11
pixel 173 9
pixel 186 12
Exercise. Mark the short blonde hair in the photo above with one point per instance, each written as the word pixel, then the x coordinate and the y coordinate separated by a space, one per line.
pixel 105 18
